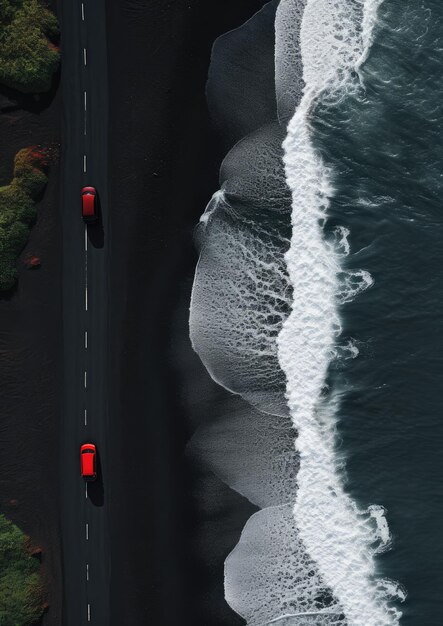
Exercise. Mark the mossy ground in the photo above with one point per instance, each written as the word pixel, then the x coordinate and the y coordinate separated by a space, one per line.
pixel 17 210
pixel 21 594
pixel 28 55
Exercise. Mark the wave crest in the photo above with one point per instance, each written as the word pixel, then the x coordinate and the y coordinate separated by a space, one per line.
pixel 336 534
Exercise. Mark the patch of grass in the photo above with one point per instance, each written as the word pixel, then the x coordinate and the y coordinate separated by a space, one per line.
pixel 21 593
pixel 28 56
pixel 17 210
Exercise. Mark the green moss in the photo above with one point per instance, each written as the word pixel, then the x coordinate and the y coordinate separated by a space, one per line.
pixel 17 210
pixel 21 595
pixel 28 58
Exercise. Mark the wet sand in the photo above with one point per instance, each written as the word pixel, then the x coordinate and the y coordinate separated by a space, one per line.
pixel 172 523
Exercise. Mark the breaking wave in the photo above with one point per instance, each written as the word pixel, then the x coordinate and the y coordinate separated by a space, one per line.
pixel 335 36
pixel 264 319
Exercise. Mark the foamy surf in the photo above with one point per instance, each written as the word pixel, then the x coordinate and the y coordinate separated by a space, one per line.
pixel 335 37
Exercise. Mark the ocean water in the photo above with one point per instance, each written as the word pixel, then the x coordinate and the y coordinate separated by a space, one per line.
pixel 385 146
pixel 316 299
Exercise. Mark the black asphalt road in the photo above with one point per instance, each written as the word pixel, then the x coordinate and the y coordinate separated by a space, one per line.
pixel 84 523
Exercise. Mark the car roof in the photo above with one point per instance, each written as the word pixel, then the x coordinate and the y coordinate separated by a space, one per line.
pixel 88 464
pixel 88 202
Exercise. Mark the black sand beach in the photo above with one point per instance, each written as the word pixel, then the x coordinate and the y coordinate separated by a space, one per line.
pixel 172 524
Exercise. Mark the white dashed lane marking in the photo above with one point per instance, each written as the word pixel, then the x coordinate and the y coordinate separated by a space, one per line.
pixel 84 56
pixel 87 531
pixel 84 106
pixel 86 339
pixel 87 571
pixel 86 417
pixel 83 12
pixel 89 612
pixel 84 163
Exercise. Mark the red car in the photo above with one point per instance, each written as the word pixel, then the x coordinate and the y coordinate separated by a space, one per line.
pixel 89 205
pixel 88 461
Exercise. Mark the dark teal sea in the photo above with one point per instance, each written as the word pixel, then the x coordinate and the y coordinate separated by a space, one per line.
pixel 386 150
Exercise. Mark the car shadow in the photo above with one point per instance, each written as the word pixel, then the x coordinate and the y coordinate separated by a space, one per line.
pixel 96 234
pixel 96 489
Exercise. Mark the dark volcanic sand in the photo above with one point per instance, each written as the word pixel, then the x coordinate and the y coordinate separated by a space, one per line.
pixel 29 351
pixel 172 524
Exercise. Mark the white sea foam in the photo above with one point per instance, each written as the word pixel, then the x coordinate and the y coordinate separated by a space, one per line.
pixel 350 284
pixel 347 350
pixel 288 62
pixel 335 37
pixel 269 576
pixel 241 293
